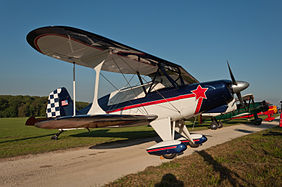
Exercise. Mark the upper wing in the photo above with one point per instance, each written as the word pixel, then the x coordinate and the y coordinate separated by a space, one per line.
pixel 86 121
pixel 88 49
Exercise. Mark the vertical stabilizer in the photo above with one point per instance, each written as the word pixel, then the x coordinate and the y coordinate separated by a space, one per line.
pixel 59 104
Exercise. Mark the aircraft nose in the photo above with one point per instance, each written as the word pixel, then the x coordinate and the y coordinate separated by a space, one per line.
pixel 240 86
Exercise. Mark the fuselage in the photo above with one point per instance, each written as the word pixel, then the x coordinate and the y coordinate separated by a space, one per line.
pixel 177 103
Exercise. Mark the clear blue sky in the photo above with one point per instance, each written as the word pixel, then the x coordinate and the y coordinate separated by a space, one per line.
pixel 199 35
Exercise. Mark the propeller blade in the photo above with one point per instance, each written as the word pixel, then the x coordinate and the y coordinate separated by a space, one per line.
pixel 237 87
pixel 231 74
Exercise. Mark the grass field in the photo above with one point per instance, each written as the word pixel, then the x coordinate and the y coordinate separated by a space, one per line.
pixel 17 139
pixel 253 160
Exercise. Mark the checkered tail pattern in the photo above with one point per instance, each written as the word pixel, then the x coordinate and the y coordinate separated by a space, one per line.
pixel 53 106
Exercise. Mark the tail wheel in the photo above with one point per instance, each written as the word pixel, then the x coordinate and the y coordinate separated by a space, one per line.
pixel 54 137
pixel 170 156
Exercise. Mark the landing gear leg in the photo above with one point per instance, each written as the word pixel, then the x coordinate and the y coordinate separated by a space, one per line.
pixel 56 136
pixel 214 124
pixel 257 120
pixel 219 124
pixel 183 131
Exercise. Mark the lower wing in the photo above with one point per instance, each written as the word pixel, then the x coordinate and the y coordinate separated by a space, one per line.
pixel 86 121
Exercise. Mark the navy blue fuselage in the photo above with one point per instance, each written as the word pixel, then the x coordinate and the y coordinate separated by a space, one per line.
pixel 218 93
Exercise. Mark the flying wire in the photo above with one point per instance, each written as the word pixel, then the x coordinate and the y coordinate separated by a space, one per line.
pixel 156 90
pixel 128 83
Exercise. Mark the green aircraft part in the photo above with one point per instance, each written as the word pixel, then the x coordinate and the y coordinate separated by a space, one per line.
pixel 249 109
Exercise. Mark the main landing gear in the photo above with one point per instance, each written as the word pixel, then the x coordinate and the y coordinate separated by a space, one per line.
pixel 257 120
pixel 56 136
pixel 171 146
pixel 215 124
pixel 193 145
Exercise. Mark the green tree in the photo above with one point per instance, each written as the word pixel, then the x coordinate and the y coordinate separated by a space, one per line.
pixel 25 106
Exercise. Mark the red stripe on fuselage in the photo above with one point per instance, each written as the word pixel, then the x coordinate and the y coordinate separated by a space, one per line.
pixel 154 102
pixel 199 105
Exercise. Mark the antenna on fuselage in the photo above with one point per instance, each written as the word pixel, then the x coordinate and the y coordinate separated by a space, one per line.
pixel 73 88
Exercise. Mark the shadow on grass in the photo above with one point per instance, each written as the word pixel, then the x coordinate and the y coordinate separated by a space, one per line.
pixel 225 173
pixel 273 133
pixel 22 139
pixel 132 138
pixel 169 180
pixel 121 134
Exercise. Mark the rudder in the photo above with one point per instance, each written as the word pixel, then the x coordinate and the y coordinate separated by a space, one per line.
pixel 59 104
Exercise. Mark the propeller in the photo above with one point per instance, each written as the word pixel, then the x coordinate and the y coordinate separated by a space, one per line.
pixel 237 86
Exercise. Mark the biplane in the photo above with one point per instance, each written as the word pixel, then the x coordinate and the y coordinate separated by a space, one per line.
pixel 248 109
pixel 166 95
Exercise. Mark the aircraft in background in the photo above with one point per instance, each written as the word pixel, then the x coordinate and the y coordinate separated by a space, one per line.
pixel 249 109
pixel 226 108
pixel 272 110
pixel 263 108
pixel 170 96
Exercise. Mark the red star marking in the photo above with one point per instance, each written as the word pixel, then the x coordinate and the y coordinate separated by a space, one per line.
pixel 200 92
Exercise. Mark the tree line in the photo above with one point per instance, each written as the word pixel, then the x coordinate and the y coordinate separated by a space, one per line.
pixel 25 106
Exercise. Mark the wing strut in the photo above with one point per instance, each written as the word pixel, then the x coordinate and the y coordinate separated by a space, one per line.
pixel 73 84
pixel 95 108
pixel 141 81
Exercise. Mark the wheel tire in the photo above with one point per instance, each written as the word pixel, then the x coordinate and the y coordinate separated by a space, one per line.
pixel 170 156
pixel 213 126
pixel 219 124
pixel 258 121
pixel 194 145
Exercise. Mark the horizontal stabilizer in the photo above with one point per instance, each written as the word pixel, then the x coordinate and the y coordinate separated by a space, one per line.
pixel 87 121
pixel 32 120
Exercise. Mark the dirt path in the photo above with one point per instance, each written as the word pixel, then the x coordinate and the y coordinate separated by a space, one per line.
pixel 100 165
